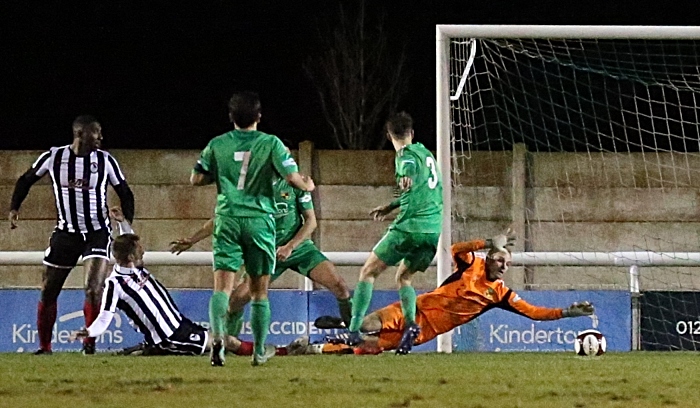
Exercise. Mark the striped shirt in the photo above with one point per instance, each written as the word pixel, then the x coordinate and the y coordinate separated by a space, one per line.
pixel 144 300
pixel 80 186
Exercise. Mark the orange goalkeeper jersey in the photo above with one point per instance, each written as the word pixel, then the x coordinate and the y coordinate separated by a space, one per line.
pixel 463 296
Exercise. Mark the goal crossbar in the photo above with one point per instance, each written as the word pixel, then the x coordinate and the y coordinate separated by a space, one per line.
pixel 572 31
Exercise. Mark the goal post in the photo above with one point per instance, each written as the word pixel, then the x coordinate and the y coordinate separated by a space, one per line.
pixel 587 136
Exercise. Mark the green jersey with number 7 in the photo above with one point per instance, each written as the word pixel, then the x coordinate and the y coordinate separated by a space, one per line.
pixel 246 162
pixel 421 204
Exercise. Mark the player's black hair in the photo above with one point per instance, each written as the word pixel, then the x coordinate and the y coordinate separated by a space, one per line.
pixel 84 120
pixel 123 246
pixel 400 125
pixel 244 108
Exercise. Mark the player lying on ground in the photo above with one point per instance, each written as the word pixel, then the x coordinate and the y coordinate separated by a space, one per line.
pixel 149 307
pixel 474 288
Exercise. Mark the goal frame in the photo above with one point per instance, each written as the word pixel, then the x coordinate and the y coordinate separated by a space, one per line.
pixel 444 34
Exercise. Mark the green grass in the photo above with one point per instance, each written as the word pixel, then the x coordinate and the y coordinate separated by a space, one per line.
pixel 636 380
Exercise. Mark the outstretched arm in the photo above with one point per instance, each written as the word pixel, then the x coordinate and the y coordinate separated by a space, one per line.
pixel 110 296
pixel 97 327
pixel 514 303
pixel 462 250
pixel 183 244
pixel 517 305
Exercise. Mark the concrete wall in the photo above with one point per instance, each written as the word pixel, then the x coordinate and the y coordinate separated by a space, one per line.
pixel 555 201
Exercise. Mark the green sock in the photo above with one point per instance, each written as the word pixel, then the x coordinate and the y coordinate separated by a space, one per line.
pixel 234 323
pixel 218 303
pixel 345 307
pixel 260 322
pixel 360 304
pixel 408 303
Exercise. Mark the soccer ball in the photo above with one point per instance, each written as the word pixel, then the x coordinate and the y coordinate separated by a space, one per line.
pixel 590 343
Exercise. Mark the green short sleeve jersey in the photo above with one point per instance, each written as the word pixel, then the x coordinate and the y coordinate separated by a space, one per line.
pixel 290 204
pixel 244 163
pixel 421 205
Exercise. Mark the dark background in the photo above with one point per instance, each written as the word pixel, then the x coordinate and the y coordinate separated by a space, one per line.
pixel 158 75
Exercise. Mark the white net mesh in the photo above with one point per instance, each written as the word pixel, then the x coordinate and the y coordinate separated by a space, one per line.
pixel 581 145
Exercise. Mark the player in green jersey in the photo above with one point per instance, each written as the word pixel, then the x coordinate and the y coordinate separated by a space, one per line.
pixel 244 163
pixel 295 221
pixel 412 239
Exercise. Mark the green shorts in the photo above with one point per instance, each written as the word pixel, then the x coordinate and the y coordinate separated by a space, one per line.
pixel 303 260
pixel 417 250
pixel 249 240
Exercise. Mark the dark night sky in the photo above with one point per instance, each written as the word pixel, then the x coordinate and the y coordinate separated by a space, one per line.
pixel 159 76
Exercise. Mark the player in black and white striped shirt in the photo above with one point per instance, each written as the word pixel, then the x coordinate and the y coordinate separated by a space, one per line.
pixel 148 305
pixel 80 173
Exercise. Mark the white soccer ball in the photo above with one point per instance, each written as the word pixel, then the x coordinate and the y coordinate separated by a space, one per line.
pixel 590 343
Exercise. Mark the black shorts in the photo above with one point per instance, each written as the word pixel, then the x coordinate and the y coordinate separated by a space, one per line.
pixel 190 339
pixel 65 248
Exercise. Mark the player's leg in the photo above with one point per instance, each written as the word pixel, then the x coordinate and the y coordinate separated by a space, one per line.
pixel 96 255
pixel 60 258
pixel 218 304
pixel 224 281
pixel 309 261
pixel 190 339
pixel 372 328
pixel 383 254
pixel 237 301
pixel 228 258
pixel 240 297
pixel 362 297
pixel 325 275
pixel 259 254
pixel 52 282
pixel 422 251
pixel 96 271
pixel 407 294
pixel 260 315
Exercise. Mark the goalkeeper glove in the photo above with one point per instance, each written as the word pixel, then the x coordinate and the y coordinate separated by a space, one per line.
pixel 502 241
pixel 578 309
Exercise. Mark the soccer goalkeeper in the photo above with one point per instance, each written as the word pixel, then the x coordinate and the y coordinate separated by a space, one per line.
pixel 475 287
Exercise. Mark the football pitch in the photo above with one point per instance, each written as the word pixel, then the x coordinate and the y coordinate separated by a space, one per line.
pixel 641 379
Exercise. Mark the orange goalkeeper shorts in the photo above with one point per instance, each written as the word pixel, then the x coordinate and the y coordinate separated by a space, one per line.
pixel 393 325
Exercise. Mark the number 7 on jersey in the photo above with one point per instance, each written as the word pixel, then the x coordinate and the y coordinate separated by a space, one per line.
pixel 245 158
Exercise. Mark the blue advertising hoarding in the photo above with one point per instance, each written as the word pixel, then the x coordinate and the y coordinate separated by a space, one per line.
pixel 498 330
pixel 18 324
pixel 293 313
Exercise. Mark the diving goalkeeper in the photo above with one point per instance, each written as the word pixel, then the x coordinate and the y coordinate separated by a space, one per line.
pixel 474 288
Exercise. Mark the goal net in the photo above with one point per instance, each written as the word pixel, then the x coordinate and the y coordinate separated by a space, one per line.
pixel 583 139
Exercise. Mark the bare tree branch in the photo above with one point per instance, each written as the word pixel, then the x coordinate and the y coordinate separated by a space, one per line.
pixel 359 79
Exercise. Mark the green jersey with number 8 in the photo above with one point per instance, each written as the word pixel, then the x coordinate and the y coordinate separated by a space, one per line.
pixel 244 164
pixel 421 205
